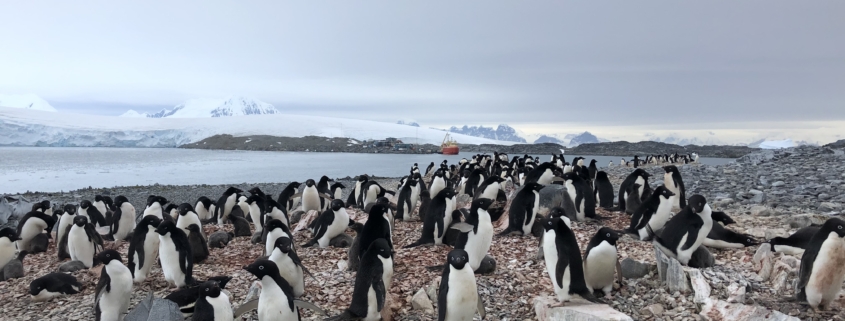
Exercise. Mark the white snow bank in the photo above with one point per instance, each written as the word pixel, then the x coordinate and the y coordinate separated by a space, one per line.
pixel 133 114
pixel 27 101
pixel 22 127
pixel 777 144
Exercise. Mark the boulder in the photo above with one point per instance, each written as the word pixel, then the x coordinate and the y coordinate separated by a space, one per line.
pixel 575 310
pixel 721 310
pixel 829 207
pixel 633 269
pixel 700 286
pixel 760 210
pixel 341 241
pixel 804 220
pixel 762 260
pixel 671 272
pixel 153 308
pixel 71 266
pixel 421 302
pixel 652 310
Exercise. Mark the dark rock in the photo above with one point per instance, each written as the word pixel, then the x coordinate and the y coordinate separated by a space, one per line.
pixel 341 241
pixel 702 258
pixel 633 269
pixel 71 266
pixel 219 239
pixel 487 266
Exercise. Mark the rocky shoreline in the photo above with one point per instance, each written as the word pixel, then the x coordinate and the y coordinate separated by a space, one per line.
pixel 768 193
pixel 626 149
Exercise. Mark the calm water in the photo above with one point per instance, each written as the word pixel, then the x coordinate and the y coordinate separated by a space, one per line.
pixel 62 169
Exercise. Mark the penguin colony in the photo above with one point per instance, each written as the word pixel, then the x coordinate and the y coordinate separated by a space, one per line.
pixel 172 237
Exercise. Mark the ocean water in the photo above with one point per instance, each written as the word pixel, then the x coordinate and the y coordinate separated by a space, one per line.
pixel 53 169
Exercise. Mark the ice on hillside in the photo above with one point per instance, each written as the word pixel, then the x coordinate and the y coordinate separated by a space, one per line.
pixel 777 144
pixel 25 101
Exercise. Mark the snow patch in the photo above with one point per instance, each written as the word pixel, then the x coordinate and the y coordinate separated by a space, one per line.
pixel 203 108
pixel 25 101
pixel 777 144
pixel 133 114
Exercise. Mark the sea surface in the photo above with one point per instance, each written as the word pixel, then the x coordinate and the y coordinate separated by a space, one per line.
pixel 54 169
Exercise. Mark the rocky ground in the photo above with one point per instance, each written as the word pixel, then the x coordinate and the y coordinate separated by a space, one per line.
pixel 627 149
pixel 768 194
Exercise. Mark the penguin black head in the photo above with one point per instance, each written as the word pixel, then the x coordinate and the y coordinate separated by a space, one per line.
pixel 833 225
pixel 283 244
pixel 209 289
pixel 80 221
pixel 185 208
pixel 593 162
pixel 170 207
pixel 557 212
pixel 549 223
pixel 107 256
pixel 662 191
pixel 9 233
pixel 98 198
pixel 722 217
pixel 378 210
pixel 310 183
pixel 119 200
pixel 671 169
pixel 85 204
pixel 232 190
pixel 295 184
pixel 274 224
pixel 457 258
pixel 37 207
pixel 641 172
pixel 157 199
pixel 499 179
pixel 108 201
pixel 166 227
pixel 255 191
pixel 534 186
pixel 337 205
pixel 482 203
pixel 363 178
pixel 381 248
pixel 412 182
pixel 601 175
pixel 383 201
pixel 608 235
pixel 749 240
pixel 254 198
pixel 324 180
pixel 261 268
pixel 70 209
pixel 697 202
pixel 38 285
pixel 150 220
pixel 337 185
pixel 194 228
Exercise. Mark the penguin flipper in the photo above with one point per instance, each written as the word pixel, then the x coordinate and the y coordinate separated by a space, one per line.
pixel 806 270
pixel 246 307
pixel 480 305
pixel 309 306
pixel 463 227
pixel 378 286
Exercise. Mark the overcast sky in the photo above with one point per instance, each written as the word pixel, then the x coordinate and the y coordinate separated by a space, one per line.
pixel 538 65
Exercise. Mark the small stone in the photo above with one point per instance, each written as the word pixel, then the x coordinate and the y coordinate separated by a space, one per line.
pixel 829 206
pixel 760 210
pixel 654 309
pixel 699 285
pixel 342 265
pixel 633 269
pixel 71 266
pixel 804 220
pixel 736 293
pixel 778 184
pixel 421 302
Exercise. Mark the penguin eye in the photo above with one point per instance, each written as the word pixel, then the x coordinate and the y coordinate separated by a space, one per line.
pixel 206 289
pixel 108 255
pixel 608 234
pixel 261 267
pixel 839 227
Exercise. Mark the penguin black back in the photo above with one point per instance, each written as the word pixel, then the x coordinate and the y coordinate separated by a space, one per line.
pixel 434 218
pixel 375 228
pixel 370 276
pixel 199 247
pixel 626 184
pixel 603 190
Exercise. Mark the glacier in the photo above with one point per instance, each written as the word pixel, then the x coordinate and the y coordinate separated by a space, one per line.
pixel 204 107
pixel 777 144
pixel 24 127
pixel 26 101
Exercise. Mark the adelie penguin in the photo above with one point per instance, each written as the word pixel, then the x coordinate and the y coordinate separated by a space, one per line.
pixel 31 225
pixel 582 196
pixel 490 188
pixel 188 217
pixel 823 266
pixel 438 183
pixel 542 175
pixel 274 230
pixel 199 247
pixel 143 248
pixel 312 199
pixel 673 181
pixel 563 260
pixel 177 261
pixel 155 206
pixel 723 238
pixel 241 226
pixel 114 289
pixel 372 284
pixel 204 208
pixel 187 297
pixel 257 210
pixel 123 218
pixel 65 221
pixel 685 232
pixel 601 260
pixel 212 304
pixel 225 204
pixel 639 176
pixel 477 232
pixel 653 214
pixel 603 190
pixel 355 195
pixel 53 285
pixel 83 241
pixel 8 246
pixel 376 227
pixel 276 299
pixel 437 220
pixel 406 203
pixel 523 210
pixel 330 224
pixel 337 190
pixel 289 264
pixel 286 198
pixel 796 243
pixel 458 299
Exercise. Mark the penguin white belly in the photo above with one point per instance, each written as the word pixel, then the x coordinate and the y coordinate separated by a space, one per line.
pixel 273 303
pixel 372 194
pixel 670 185
pixel 151 243
pixel 278 215
pixel 244 207
pixel 271 239
pixel 791 250
pixel 828 272
pixel 387 274
pixel 255 214
pixel 100 207
pixel 529 221
pixel 231 201
pixel 479 244
pixel 79 248
pixel 310 199
pixel 8 249
pixel 187 220
pixel 719 244
pixel 447 220
pixel 65 221
pixel 415 197
pixel 640 181
pixel 462 295
pixel 338 226
pixel 550 256
pixel 289 271
pixel 373 313
pixel 600 267
pixel 45 295
pixel 222 307
pixel 115 303
pixel 127 221
pixel 660 217
pixel 491 191
pixel 170 262
pixel 579 209
pixel 30 229
pixel 546 177
pixel 685 255
pixel 155 210
pixel 437 185
pixel 202 212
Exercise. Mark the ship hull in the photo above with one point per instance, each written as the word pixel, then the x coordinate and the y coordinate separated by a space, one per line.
pixel 450 150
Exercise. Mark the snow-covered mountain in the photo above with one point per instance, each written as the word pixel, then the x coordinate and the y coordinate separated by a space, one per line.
pixel 27 101
pixel 202 108
pixel 684 141
pixel 23 127
pixel 583 138
pixel 548 139
pixel 503 132
pixel 408 122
